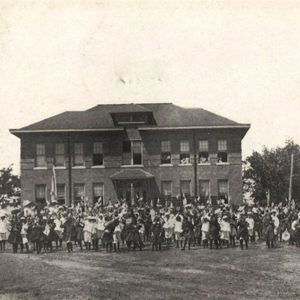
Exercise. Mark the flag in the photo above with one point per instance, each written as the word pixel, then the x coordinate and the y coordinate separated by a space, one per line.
pixel 53 192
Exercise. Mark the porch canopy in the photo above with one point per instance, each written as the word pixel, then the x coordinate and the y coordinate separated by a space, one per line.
pixel 131 174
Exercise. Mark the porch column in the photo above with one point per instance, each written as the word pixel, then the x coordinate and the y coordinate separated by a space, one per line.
pixel 132 193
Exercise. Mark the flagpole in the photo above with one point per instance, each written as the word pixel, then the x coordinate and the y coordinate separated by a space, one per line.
pixel 291 179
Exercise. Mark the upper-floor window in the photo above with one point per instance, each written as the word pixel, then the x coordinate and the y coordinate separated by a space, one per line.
pixel 98 154
pixel 132 153
pixel 203 152
pixel 59 154
pixel 78 154
pixel 222 151
pixel 40 160
pixel 166 152
pixel 185 157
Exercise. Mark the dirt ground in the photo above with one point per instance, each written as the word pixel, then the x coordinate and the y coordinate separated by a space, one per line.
pixel 257 273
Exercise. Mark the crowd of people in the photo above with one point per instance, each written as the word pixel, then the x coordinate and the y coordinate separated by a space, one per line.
pixel 119 226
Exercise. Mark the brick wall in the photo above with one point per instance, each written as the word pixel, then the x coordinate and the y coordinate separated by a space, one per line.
pixel 112 147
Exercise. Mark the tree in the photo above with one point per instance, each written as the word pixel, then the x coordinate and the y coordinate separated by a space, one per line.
pixel 9 183
pixel 270 171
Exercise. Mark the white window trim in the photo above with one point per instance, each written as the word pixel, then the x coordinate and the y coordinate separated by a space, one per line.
pixel 59 167
pixel 166 165
pixel 79 167
pixel 40 168
pixel 185 165
pixel 132 166
pixel 98 167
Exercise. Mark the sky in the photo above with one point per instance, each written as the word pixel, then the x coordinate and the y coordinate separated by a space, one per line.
pixel 238 59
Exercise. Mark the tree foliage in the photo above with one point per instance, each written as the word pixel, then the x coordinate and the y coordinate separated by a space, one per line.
pixel 270 170
pixel 9 183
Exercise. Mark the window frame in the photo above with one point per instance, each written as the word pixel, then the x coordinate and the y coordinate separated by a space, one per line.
pixel 40 155
pixel 41 200
pixel 59 154
pixel 132 153
pixel 94 184
pixel 227 186
pixel 190 184
pixel 98 153
pixel 222 152
pixel 77 154
pixel 59 199
pixel 184 152
pixel 162 153
pixel 209 189
pixel 203 151
pixel 171 189
pixel 78 184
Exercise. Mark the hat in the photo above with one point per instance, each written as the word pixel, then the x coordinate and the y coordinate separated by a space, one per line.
pixel 26 203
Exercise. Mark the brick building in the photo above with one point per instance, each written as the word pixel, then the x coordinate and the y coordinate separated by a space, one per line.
pixel 132 150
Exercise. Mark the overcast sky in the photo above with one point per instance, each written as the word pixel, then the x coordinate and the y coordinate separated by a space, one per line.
pixel 238 59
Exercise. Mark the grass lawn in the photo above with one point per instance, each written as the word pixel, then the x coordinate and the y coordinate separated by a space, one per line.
pixel 257 273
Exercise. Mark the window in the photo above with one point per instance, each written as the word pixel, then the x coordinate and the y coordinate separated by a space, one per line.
pixel 61 194
pixel 98 154
pixel 40 155
pixel 222 151
pixel 203 152
pixel 59 154
pixel 185 188
pixel 78 154
pixel 78 192
pixel 166 152
pixel 204 189
pixel 166 189
pixel 98 191
pixel 40 193
pixel 185 152
pixel 132 153
pixel 223 190
pixel 137 153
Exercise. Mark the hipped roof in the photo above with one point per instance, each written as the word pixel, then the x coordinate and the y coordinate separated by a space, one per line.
pixel 165 115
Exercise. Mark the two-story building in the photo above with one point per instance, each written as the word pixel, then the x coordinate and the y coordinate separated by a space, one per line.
pixel 128 150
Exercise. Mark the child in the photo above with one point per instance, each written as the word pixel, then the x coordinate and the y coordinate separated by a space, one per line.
pixel 157 234
pixel 87 233
pixel 225 230
pixel 242 233
pixel 188 232
pixel 270 234
pixel 205 231
pixel 178 230
pixel 3 231
pixel 15 233
pixel 24 232
pixel 117 235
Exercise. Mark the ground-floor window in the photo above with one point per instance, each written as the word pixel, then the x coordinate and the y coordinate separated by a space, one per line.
pixel 204 190
pixel 185 188
pixel 98 192
pixel 223 190
pixel 78 192
pixel 40 193
pixel 61 193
